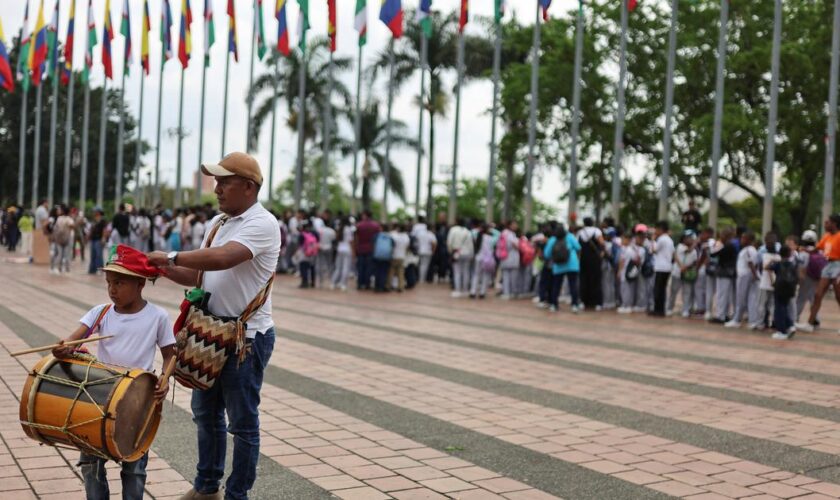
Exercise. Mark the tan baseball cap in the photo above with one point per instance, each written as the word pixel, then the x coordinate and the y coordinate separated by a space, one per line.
pixel 236 163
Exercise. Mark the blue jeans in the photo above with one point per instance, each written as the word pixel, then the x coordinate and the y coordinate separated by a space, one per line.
pixel 364 269
pixel 133 476
pixel 95 256
pixel 557 285
pixel 781 314
pixel 237 390
pixel 380 274
pixel 544 290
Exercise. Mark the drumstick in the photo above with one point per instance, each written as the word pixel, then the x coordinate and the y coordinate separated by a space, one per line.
pixel 65 344
pixel 167 372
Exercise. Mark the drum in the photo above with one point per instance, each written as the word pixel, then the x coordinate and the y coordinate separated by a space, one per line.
pixel 103 410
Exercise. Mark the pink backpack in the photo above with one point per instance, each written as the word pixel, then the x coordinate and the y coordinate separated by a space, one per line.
pixel 310 244
pixel 527 252
pixel 501 248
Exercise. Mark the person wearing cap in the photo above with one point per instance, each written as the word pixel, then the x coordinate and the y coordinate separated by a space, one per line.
pixel 830 247
pixel 137 328
pixel 236 266
pixel 683 274
pixel 663 259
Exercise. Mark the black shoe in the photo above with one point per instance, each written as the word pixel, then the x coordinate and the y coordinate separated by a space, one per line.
pixel 481 297
pixel 717 321
pixel 472 296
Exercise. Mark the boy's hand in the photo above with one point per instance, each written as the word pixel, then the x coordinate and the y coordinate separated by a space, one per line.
pixel 62 351
pixel 161 389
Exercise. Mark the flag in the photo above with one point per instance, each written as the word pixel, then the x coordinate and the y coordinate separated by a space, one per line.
pixel 465 15
pixel 499 10
pixel 424 17
pixel 145 28
pixel 125 31
pixel 107 37
pixel 631 5
pixel 52 43
pixel 303 23
pixel 67 73
pixel 261 46
pixel 91 42
pixel 361 21
pixel 166 31
pixel 331 23
pixel 282 27
pixel 209 30
pixel 38 54
pixel 184 34
pixel 391 14
pixel 231 12
pixel 6 80
pixel 23 56
pixel 545 4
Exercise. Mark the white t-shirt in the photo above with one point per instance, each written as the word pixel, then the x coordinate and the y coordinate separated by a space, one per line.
pixel 631 253
pixel 589 233
pixel 747 255
pixel 425 239
pixel 197 236
pixel 345 245
pixel 767 276
pixel 684 256
pixel 663 254
pixel 233 289
pixel 326 236
pixel 135 336
pixel 401 242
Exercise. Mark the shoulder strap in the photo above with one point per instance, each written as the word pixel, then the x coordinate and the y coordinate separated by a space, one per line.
pixel 215 229
pixel 99 318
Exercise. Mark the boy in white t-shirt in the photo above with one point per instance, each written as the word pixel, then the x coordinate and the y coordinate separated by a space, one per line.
pixel 767 256
pixel 138 328
pixel 746 281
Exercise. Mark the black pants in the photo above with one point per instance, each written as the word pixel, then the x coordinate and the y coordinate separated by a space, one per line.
pixel 660 287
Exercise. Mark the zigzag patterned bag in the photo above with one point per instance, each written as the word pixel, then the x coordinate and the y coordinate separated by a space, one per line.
pixel 204 340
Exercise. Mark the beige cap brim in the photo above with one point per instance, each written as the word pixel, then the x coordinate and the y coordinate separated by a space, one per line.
pixel 215 170
pixel 116 268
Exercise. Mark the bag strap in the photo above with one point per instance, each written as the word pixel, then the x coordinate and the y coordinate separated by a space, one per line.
pixel 99 318
pixel 215 229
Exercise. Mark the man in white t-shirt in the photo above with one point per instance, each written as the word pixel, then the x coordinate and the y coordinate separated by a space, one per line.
pixel 426 242
pixel 237 265
pixel 663 257
pixel 747 275
pixel 326 255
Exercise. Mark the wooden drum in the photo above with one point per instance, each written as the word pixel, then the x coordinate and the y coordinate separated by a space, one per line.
pixel 103 410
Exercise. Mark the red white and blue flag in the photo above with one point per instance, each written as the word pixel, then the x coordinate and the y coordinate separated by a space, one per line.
pixel 7 81
pixel 391 14
pixel 107 38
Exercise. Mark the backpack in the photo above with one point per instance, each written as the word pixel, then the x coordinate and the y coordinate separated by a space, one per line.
pixel 786 281
pixel 527 252
pixel 713 264
pixel 383 247
pixel 816 263
pixel 647 265
pixel 631 272
pixel 310 244
pixel 501 248
pixel 560 251
pixel 487 262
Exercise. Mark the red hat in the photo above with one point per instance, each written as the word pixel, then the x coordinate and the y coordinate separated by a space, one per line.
pixel 130 261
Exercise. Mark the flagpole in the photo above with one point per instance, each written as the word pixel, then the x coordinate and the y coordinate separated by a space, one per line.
pixel 767 213
pixel 36 155
pixel 300 128
pixel 120 145
pixel 85 138
pixel 618 144
pixel 453 187
pixel 424 55
pixel 830 138
pixel 532 123
pixel 327 138
pixel 100 171
pixel 357 127
pixel 68 140
pixel 22 151
pixel 156 191
pixel 387 166
pixel 669 113
pixel 53 120
pixel 576 89
pixel 178 198
pixel 491 177
pixel 718 120
pixel 201 128
pixel 273 134
pixel 249 100
pixel 139 152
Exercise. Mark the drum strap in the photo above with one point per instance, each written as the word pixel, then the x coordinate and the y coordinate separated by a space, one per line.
pixel 99 318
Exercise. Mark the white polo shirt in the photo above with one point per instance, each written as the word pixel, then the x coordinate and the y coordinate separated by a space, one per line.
pixel 232 289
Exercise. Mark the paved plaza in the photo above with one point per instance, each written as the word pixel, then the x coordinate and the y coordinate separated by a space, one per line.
pixel 418 395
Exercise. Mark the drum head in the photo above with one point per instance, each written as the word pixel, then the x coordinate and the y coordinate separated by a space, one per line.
pixel 131 416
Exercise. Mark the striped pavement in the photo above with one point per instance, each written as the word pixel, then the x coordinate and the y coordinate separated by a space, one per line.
pixel 422 396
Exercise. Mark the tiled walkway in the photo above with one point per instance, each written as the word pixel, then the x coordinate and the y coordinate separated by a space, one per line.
pixel 422 396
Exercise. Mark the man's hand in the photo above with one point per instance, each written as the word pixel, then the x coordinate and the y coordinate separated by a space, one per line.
pixel 161 389
pixel 158 258
pixel 63 351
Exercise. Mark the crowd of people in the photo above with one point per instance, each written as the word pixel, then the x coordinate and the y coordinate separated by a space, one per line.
pixel 733 276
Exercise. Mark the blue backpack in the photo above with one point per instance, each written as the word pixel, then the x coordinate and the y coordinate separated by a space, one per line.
pixel 383 247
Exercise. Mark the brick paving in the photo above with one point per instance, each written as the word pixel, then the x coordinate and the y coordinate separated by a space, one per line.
pixel 757 415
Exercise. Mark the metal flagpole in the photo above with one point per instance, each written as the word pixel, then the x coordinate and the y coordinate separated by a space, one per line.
pixel 273 134
pixel 767 213
pixel 249 99
pixel 830 137
pixel 491 178
pixel 387 166
pixel 453 187
pixel 22 150
pixel 178 198
pixel 68 141
pixel 100 171
pixel 669 104
pixel 718 121
pixel 424 49
pixel 618 145
pixel 224 105
pixel 85 137
pixel 532 123
pixel 137 182
pixel 53 120
pixel 156 190
pixel 576 89
pixel 327 138
pixel 201 129
pixel 357 126
pixel 36 154
pixel 120 145
pixel 300 128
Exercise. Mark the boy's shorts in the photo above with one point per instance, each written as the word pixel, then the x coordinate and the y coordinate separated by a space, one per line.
pixel 831 271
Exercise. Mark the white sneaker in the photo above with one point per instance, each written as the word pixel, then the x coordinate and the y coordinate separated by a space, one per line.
pixel 732 324
pixel 505 297
pixel 756 327
pixel 686 315
pixel 804 327
pixel 707 316
pixel 542 305
pixel 536 300
pixel 343 288
pixel 599 308
pixel 780 336
pixel 575 309
pixel 552 309
pixel 455 295
pixel 639 309
pixel 624 310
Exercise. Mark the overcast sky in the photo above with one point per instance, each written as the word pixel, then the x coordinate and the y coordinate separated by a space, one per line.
pixel 475 124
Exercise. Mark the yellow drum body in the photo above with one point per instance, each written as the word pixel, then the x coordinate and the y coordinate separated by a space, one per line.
pixel 99 409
